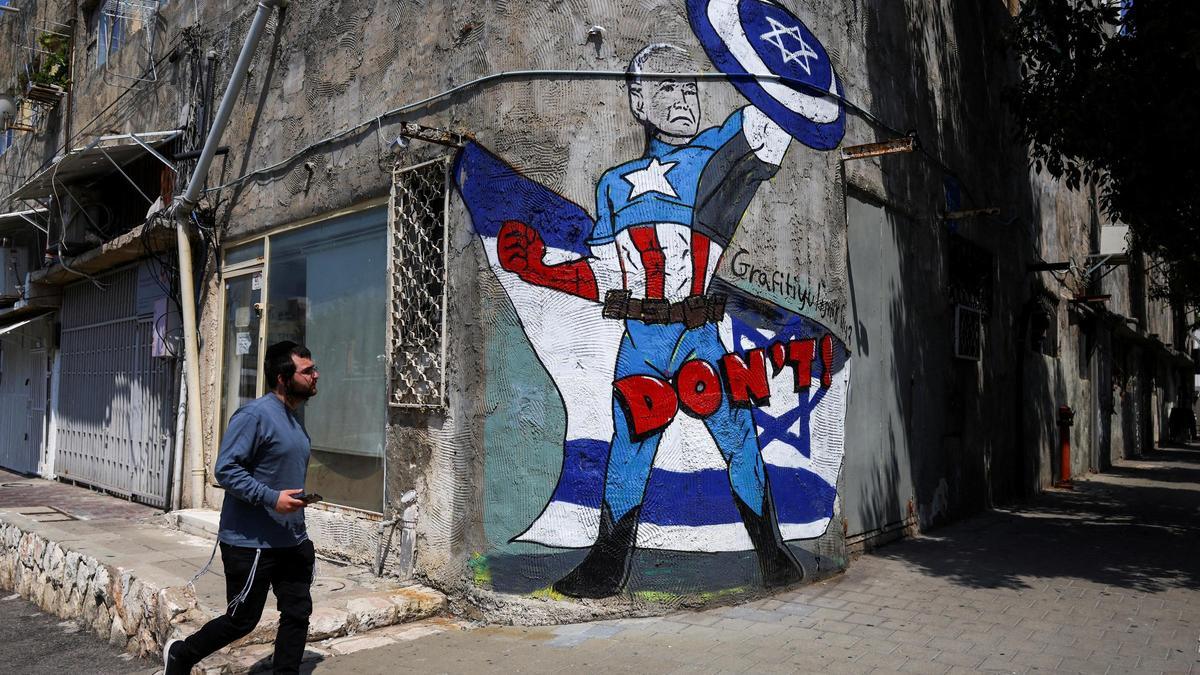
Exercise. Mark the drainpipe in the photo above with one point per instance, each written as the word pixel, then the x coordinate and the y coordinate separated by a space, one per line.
pixel 177 446
pixel 182 210
pixel 408 534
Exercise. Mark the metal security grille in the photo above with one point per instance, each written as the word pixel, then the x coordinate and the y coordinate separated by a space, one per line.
pixel 417 285
pixel 116 411
pixel 968 333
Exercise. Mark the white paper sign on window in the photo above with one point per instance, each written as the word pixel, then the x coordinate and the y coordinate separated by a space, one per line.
pixel 243 344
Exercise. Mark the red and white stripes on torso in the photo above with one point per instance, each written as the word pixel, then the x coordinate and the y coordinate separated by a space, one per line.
pixel 665 261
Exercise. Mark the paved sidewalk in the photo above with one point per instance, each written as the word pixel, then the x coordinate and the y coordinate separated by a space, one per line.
pixel 80 503
pixel 1105 579
pixel 118 571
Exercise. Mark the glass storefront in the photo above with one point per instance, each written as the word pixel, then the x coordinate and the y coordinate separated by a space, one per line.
pixel 243 293
pixel 326 288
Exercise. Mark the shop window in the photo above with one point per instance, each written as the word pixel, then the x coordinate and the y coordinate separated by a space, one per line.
pixel 326 290
pixel 418 286
pixel 324 286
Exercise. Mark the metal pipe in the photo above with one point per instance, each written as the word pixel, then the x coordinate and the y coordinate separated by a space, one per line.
pixel 191 366
pixel 177 445
pixel 182 210
pixel 408 522
pixel 187 201
pixel 379 545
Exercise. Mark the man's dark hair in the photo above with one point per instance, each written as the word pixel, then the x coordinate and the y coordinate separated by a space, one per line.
pixel 278 361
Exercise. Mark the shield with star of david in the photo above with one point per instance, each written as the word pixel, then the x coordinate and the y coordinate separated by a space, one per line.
pixel 757 37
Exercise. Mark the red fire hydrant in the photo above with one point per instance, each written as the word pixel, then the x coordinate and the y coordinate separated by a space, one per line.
pixel 1066 419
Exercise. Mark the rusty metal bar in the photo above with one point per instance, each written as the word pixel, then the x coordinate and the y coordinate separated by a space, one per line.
pixel 890 147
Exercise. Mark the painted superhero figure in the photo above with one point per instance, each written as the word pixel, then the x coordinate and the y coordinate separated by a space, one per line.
pixel 663 222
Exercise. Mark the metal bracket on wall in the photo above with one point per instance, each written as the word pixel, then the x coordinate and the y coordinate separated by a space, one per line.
pixel 452 139
pixel 971 213
pixel 890 147
pixel 1104 260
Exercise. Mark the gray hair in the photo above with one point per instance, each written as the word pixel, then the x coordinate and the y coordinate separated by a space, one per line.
pixel 637 65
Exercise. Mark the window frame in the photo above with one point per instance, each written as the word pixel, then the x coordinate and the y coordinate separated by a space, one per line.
pixel 9 141
pixel 262 264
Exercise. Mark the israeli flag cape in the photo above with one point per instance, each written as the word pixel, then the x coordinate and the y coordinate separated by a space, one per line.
pixel 689 504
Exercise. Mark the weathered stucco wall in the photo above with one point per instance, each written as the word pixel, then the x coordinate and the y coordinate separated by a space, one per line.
pixel 487 467
pixel 528 368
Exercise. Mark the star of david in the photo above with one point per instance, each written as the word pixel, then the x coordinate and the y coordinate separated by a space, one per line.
pixel 653 178
pixel 800 56
pixel 771 428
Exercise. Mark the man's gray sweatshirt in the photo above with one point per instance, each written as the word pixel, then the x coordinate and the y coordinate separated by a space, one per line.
pixel 264 451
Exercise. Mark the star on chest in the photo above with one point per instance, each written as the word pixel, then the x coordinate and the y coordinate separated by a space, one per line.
pixel 653 178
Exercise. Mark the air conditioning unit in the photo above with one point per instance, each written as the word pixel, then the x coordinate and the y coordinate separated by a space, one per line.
pixel 86 224
pixel 1114 243
pixel 14 265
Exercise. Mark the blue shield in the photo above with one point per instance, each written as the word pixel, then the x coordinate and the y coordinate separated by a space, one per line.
pixel 758 37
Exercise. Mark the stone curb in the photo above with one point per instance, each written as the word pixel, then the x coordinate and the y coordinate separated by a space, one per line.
pixel 138 617
pixel 132 615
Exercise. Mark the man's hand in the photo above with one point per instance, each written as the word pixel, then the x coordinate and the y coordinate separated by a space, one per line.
pixel 520 248
pixel 287 503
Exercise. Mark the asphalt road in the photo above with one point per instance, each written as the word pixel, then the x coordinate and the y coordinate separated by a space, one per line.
pixel 35 643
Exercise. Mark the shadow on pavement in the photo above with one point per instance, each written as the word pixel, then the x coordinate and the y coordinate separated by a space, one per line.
pixel 1134 528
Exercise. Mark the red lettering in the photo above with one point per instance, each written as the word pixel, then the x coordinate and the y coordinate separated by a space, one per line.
pixel 746 379
pixel 827 361
pixel 649 403
pixel 699 388
pixel 800 356
pixel 778 356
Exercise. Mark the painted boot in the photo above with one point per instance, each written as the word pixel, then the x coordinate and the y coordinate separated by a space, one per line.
pixel 603 572
pixel 775 560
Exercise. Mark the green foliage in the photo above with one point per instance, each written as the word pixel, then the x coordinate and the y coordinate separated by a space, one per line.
pixel 1114 101
pixel 52 67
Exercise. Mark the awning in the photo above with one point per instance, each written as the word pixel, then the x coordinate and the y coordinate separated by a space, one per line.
pixel 14 326
pixel 11 327
pixel 19 220
pixel 100 158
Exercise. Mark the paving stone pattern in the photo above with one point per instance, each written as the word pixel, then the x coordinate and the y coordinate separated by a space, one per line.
pixel 20 491
pixel 1102 579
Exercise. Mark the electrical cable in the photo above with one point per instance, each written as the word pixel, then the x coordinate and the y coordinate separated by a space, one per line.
pixel 221 19
pixel 556 73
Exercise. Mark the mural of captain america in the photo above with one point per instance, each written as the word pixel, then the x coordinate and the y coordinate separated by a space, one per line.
pixel 663 222
pixel 625 301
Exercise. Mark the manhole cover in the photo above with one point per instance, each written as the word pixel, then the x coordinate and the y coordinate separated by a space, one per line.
pixel 328 584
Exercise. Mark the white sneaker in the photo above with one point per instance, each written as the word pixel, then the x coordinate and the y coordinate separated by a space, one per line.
pixel 172 664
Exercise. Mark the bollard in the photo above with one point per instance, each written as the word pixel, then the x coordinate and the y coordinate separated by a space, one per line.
pixel 1066 419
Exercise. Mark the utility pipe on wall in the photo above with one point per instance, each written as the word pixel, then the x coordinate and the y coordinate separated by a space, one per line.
pixel 182 210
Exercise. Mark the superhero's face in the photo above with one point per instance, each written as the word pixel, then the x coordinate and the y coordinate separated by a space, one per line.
pixel 670 107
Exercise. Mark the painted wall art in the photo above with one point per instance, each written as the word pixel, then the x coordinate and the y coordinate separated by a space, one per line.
pixel 699 418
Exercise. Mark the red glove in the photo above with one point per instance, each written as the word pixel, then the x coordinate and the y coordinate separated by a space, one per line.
pixel 521 250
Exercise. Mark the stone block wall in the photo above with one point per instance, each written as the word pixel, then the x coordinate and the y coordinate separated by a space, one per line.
pixel 131 614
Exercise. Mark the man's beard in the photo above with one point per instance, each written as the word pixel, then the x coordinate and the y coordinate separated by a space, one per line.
pixel 299 392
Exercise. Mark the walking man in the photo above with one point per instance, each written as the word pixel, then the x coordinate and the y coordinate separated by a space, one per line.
pixel 262 464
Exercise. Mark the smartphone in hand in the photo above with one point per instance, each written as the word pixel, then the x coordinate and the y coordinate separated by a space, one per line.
pixel 309 497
